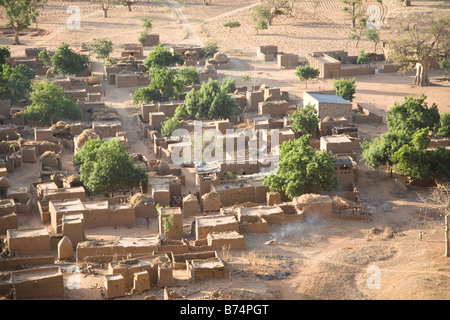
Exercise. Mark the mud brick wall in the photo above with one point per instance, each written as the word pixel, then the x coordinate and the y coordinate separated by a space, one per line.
pixel 201 232
pixel 273 108
pixel 44 287
pixel 234 195
pixel 334 110
pixel 287 61
pixel 253 99
pixel 179 260
pixel 15 263
pixel 235 242
pixel 112 216
pixel 8 221
pixel 29 246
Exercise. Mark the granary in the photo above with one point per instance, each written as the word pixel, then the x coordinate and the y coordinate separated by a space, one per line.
pixel 328 105
pixel 346 172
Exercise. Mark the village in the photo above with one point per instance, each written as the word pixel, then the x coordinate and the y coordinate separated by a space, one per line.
pixel 201 219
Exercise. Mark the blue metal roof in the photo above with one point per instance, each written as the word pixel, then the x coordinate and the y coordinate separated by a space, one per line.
pixel 334 98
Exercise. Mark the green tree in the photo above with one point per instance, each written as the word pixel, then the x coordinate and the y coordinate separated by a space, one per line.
pixel 20 14
pixel 164 85
pixel 228 85
pixel 374 36
pixel 302 169
pixel 212 101
pixel 380 150
pixel 357 32
pixel 169 126
pixel 363 57
pixel 50 104
pixel 188 75
pixel 260 25
pixel 162 58
pixel 444 127
pixel 305 120
pixel 5 53
pixel 104 5
pixel 354 10
pixel 416 47
pixel 15 82
pixel 45 57
pixel 146 27
pixel 65 61
pixel 127 3
pixel 346 89
pixel 413 114
pixel 180 112
pixel 305 73
pixel 231 25
pixel 444 64
pixel 412 162
pixel 210 48
pixel 107 166
pixel 101 47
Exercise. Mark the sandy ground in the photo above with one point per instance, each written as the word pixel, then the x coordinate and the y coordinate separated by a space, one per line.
pixel 319 259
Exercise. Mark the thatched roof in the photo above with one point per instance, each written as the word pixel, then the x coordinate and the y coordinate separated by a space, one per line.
pixel 341 203
pixel 211 195
pixel 49 155
pixel 85 135
pixel 141 199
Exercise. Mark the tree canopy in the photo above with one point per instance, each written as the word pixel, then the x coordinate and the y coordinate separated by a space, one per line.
pixel 302 169
pixel 188 75
pixel 20 14
pixel 413 114
pixel 305 120
pixel 169 126
pixel 404 147
pixel 305 73
pixel 65 61
pixel 15 82
pixel 164 85
pixel 5 53
pixel 106 166
pixel 346 89
pixel 212 101
pixel 161 58
pixel 101 47
pixel 50 104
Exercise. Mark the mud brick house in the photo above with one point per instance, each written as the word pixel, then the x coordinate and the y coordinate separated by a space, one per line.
pixel 328 105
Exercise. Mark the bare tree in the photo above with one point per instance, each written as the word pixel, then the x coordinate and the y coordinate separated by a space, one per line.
pixel 104 6
pixel 439 198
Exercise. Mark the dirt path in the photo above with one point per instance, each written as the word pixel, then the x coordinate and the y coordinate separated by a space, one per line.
pixel 192 37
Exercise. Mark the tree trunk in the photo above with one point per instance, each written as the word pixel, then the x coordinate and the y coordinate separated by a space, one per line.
pixel 105 13
pixel 406 3
pixel 421 78
pixel 446 230
pixel 16 36
pixel 129 7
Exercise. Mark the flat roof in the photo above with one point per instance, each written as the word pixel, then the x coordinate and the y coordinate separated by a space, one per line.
pixel 334 98
pixel 207 264
pixel 26 233
pixel 35 274
pixel 225 235
pixel 337 139
pixel 137 242
pixel 215 220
